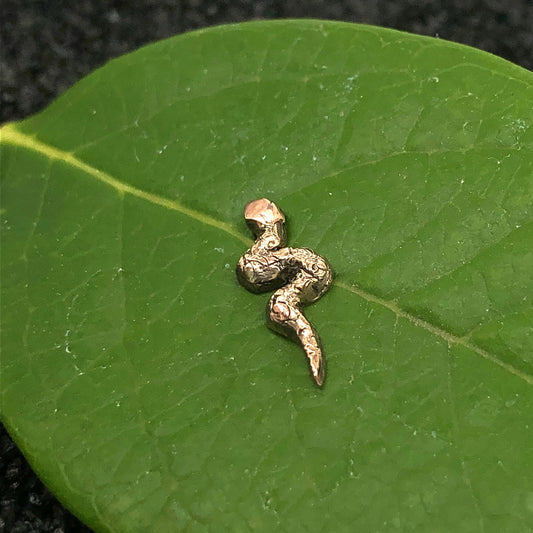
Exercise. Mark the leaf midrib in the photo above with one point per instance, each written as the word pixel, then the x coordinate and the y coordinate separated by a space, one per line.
pixel 10 135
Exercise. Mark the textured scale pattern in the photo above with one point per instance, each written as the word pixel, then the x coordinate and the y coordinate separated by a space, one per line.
pixel 304 274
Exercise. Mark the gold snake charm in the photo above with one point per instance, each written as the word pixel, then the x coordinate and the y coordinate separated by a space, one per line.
pixel 300 276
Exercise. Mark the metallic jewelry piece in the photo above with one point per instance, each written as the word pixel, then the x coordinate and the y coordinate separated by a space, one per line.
pixel 300 276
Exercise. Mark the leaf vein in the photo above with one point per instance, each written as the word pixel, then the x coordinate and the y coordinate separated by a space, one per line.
pixel 10 135
pixel 450 338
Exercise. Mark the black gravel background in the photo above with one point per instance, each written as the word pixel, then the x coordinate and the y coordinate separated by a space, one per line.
pixel 47 45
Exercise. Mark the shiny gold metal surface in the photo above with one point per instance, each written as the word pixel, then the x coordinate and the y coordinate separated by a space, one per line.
pixel 300 276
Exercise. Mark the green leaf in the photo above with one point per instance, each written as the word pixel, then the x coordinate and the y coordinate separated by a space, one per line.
pixel 139 378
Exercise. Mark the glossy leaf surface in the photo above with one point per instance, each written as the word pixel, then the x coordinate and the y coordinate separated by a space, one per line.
pixel 139 377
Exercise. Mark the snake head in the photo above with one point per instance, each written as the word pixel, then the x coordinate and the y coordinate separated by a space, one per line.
pixel 261 214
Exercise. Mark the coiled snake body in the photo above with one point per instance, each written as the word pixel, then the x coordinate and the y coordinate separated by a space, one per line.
pixel 300 276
